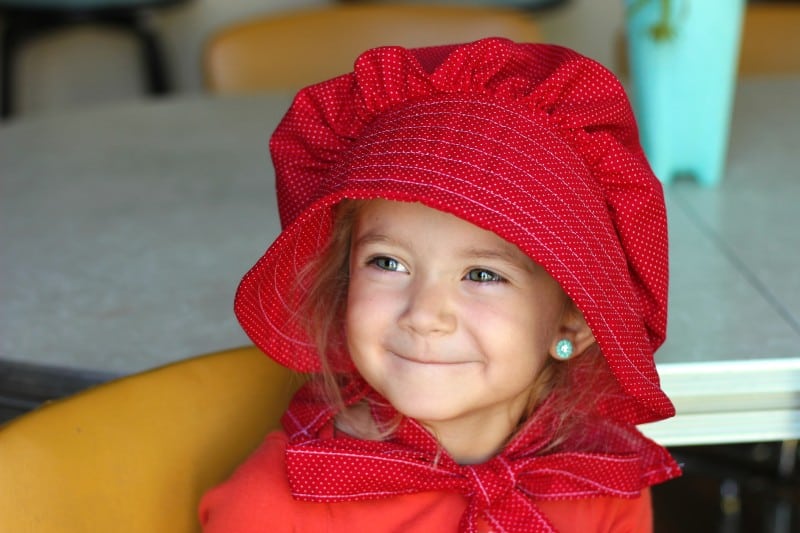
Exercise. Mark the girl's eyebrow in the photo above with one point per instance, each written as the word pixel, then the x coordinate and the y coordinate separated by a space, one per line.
pixel 506 254
pixel 379 238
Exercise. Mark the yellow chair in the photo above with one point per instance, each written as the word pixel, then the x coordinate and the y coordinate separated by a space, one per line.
pixel 289 50
pixel 136 454
pixel 770 39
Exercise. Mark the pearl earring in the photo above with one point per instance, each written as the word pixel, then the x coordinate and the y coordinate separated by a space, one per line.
pixel 564 349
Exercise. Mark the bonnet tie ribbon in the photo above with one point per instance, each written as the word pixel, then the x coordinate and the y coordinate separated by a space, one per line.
pixel 503 491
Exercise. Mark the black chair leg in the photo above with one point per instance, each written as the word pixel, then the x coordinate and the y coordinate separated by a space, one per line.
pixel 8 41
pixel 17 29
pixel 155 68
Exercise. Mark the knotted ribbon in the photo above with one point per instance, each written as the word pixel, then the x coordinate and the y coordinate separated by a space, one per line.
pixel 503 491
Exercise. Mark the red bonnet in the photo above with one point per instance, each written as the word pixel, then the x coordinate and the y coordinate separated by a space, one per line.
pixel 533 142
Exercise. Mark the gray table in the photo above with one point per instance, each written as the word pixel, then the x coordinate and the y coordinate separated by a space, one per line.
pixel 732 359
pixel 124 231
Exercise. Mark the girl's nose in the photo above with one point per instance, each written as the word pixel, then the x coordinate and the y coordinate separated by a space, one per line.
pixel 429 309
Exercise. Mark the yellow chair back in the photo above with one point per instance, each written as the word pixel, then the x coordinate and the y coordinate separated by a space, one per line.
pixel 770 39
pixel 136 454
pixel 290 50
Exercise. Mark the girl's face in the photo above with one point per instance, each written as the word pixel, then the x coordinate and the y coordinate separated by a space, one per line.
pixel 449 322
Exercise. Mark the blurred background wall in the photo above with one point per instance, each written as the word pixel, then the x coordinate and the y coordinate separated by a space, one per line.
pixel 88 65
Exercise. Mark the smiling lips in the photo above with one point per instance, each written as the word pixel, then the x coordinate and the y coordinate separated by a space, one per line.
pixel 427 360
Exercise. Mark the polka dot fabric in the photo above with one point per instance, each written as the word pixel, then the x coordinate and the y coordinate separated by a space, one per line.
pixel 533 142
pixel 502 492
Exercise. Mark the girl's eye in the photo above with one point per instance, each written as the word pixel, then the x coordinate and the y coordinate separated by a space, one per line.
pixel 483 276
pixel 387 263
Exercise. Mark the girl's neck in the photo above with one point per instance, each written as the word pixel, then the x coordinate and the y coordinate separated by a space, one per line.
pixel 467 443
pixel 473 443
pixel 356 421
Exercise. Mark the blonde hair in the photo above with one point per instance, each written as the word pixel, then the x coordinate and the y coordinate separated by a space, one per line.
pixel 325 279
pixel 325 282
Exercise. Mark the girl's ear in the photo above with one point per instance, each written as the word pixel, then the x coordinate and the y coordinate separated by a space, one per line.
pixel 573 327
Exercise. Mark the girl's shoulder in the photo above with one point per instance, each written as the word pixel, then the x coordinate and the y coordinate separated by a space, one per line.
pixel 251 498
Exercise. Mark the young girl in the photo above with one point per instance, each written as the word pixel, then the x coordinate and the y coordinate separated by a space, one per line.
pixel 473 272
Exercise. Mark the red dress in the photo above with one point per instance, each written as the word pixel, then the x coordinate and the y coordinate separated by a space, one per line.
pixel 257 498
